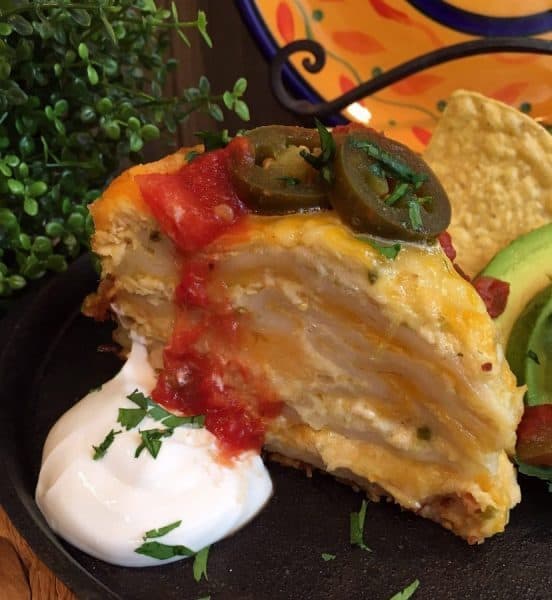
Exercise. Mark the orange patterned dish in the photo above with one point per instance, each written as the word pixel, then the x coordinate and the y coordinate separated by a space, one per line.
pixel 364 38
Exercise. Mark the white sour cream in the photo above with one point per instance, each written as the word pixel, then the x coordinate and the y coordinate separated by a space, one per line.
pixel 104 507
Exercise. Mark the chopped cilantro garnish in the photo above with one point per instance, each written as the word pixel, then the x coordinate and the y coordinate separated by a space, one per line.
pixel 387 251
pixel 323 161
pixel 99 451
pixel 289 181
pixel 130 418
pixel 423 433
pixel 155 533
pixel 139 399
pixel 399 168
pixel 356 532
pixel 152 441
pixel 415 214
pixel 408 591
pixel 399 191
pixel 163 551
pixel 200 564
pixel 195 421
pixel 533 356
pixel 327 557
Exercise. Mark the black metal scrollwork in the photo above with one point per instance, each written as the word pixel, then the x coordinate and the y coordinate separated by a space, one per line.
pixel 317 59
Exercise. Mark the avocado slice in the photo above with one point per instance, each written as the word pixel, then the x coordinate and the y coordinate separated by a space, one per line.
pixel 526 264
pixel 538 363
pixel 518 342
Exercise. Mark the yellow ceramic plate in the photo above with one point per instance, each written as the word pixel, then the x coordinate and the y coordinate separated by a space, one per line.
pixel 366 37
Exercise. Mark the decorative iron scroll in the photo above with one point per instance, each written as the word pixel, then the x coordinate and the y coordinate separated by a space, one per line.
pixel 315 63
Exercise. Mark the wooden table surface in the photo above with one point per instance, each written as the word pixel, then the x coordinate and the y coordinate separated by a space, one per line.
pixel 22 574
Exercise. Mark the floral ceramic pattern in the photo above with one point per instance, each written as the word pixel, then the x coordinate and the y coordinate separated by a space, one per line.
pixel 365 37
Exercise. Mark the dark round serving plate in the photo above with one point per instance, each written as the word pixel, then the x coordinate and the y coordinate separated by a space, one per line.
pixel 50 359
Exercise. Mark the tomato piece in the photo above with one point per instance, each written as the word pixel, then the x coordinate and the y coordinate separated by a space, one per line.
pixel 494 293
pixel 534 445
pixel 198 203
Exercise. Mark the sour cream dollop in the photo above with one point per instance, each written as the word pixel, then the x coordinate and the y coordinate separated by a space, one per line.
pixel 104 507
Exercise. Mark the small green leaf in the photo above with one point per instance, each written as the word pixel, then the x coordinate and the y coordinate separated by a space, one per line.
pixel 81 17
pixel 242 110
pixel 356 533
pixel 152 441
pixel 387 251
pixel 162 551
pixel 228 99
pixel 200 564
pixel 36 189
pixel 17 282
pixel 20 25
pixel 139 399
pixel 136 142
pixel 195 421
pixel 156 533
pixel 415 215
pixel 100 451
pixel 240 86
pixel 202 27
pixel 327 557
pixel 150 132
pixel 408 591
pixel 83 51
pixel 130 417
pixel 215 112
pixel 30 206
pixel 92 74
pixel 5 29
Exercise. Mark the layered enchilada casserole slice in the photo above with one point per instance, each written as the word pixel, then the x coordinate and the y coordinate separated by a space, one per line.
pixel 274 312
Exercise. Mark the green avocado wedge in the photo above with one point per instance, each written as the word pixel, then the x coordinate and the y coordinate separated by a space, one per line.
pixel 538 364
pixel 526 264
pixel 518 342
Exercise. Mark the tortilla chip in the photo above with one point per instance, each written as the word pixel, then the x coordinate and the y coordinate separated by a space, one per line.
pixel 496 165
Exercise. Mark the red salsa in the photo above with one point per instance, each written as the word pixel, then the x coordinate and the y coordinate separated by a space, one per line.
pixel 201 373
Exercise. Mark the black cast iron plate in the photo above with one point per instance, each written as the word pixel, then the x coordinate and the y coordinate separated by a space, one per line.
pixel 50 360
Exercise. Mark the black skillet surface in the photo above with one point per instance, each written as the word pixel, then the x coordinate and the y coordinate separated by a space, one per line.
pixel 50 360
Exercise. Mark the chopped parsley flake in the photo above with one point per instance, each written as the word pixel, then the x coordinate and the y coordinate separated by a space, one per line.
pixel 163 551
pixel 533 356
pixel 327 557
pixel 200 564
pixel 130 418
pixel 387 251
pixel 139 399
pixel 152 441
pixel 415 214
pixel 100 451
pixel 155 533
pixel 195 421
pixel 423 433
pixel 399 168
pixel 408 591
pixel 356 533
pixel 323 161
pixel 399 191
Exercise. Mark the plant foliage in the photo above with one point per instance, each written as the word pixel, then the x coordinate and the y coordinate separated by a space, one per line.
pixel 81 91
